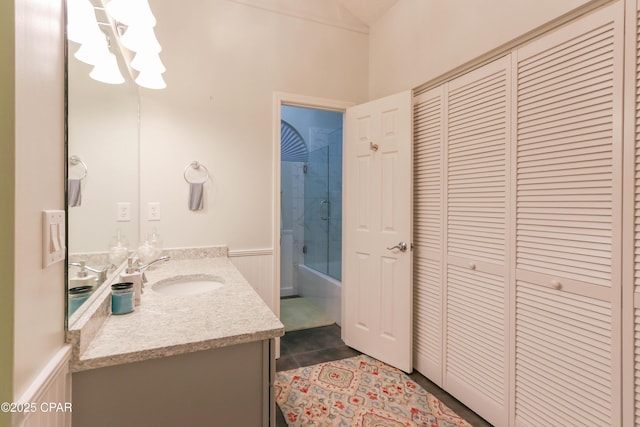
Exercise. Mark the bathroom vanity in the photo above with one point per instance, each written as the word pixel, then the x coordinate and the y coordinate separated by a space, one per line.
pixel 205 359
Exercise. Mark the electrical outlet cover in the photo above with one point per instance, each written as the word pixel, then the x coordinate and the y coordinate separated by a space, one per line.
pixel 153 211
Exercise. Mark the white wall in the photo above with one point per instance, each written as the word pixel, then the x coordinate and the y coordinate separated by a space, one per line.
pixel 39 184
pixel 418 40
pixel 224 61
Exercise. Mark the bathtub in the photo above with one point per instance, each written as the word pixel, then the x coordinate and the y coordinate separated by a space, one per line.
pixel 323 291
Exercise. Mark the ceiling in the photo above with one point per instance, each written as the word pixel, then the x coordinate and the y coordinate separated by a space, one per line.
pixel 368 11
pixel 359 16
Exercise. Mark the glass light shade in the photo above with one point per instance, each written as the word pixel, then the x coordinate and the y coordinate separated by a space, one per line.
pixel 81 20
pixel 93 49
pixel 151 80
pixel 148 62
pixel 131 12
pixel 139 39
pixel 107 71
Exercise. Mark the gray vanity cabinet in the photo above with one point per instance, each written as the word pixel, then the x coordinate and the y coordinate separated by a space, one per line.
pixel 228 386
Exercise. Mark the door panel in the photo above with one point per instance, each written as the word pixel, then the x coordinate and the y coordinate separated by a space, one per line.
pixel 567 206
pixel 377 285
pixel 428 205
pixel 477 218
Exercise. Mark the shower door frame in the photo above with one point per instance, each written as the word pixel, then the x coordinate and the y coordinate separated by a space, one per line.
pixel 294 100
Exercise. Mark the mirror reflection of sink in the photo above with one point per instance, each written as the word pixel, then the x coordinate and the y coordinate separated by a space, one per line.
pixel 188 285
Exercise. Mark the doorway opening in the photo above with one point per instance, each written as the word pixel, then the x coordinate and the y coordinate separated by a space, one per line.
pixel 310 216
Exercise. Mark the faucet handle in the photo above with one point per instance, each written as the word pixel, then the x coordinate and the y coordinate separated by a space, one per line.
pixel 133 265
pixel 83 268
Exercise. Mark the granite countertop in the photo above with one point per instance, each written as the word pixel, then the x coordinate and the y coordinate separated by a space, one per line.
pixel 166 325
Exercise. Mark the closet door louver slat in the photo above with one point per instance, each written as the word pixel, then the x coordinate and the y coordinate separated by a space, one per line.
pixel 427 263
pixel 477 139
pixel 568 193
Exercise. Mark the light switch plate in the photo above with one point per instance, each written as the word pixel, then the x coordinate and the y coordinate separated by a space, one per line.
pixel 53 237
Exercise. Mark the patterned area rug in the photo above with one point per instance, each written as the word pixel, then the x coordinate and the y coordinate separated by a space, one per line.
pixel 358 392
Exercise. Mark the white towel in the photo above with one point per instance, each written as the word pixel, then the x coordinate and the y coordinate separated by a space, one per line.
pixel 195 196
pixel 74 192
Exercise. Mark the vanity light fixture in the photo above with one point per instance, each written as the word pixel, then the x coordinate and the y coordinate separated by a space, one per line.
pixel 106 70
pixel 145 61
pixel 134 22
pixel 81 20
pixel 83 28
pixel 139 37
pixel 93 49
pixel 150 80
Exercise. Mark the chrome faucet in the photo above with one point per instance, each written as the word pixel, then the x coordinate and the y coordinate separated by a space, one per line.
pixel 143 267
pixel 162 258
pixel 102 273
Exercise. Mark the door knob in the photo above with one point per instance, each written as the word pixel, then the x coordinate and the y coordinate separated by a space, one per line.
pixel 402 246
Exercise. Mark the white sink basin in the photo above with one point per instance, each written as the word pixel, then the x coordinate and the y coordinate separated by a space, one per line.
pixel 188 285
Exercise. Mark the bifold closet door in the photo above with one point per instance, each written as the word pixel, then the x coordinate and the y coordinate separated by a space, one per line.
pixel 428 232
pixel 476 217
pixel 568 224
pixel 631 405
pixel 461 152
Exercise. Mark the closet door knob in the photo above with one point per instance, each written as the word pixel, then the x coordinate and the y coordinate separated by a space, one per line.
pixel 472 265
pixel 556 284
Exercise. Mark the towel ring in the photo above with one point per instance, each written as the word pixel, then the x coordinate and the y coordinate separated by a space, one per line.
pixel 75 160
pixel 196 165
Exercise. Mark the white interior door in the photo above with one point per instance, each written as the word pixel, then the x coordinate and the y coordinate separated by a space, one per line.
pixel 377 288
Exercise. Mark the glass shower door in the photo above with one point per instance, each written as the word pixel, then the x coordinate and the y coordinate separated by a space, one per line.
pixel 317 210
pixel 323 208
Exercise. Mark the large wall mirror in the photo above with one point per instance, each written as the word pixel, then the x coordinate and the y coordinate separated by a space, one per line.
pixel 103 178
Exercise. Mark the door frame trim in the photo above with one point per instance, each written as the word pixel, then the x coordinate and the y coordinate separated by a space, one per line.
pixel 296 100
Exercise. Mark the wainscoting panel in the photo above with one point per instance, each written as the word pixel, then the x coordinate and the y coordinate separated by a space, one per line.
pixel 257 267
pixel 49 395
pixel 288 271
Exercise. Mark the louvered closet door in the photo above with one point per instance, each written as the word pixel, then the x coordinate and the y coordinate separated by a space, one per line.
pixel 568 224
pixel 632 415
pixel 476 275
pixel 428 229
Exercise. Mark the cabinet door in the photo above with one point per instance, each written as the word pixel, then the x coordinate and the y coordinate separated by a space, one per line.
pixel 476 251
pixel 568 224
pixel 428 229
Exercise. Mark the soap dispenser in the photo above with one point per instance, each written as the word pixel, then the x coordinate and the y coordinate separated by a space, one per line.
pixel 83 278
pixel 132 274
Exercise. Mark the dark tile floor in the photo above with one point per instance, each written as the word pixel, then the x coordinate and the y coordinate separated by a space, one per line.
pixel 318 345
